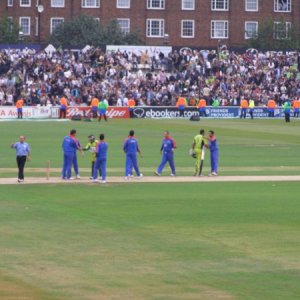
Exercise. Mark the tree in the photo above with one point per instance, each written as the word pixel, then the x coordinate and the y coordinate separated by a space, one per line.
pixel 279 35
pixel 85 30
pixel 9 31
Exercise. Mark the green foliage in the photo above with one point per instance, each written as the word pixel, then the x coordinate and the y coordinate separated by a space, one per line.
pixel 85 30
pixel 273 36
pixel 9 31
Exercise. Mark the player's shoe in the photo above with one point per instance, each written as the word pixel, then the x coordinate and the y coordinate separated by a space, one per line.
pixel 156 173
pixel 214 174
pixel 173 175
pixel 210 174
pixel 20 180
pixel 71 178
pixel 103 181
pixel 141 175
pixel 130 175
pixel 78 176
pixel 126 178
pixel 91 177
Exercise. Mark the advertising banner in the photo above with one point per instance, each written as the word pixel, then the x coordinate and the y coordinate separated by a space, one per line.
pixel 10 112
pixel 112 112
pixel 212 112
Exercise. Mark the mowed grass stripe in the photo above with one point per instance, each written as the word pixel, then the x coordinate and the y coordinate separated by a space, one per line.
pixel 153 241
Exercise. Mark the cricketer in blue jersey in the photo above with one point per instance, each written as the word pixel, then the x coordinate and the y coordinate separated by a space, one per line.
pixel 214 153
pixel 69 146
pixel 131 148
pixel 101 159
pixel 167 151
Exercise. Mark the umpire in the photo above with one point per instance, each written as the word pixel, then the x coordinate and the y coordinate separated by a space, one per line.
pixel 23 154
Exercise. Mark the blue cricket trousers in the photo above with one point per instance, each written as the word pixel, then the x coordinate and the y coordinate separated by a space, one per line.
pixel 67 164
pixel 167 157
pixel 75 164
pixel 214 160
pixel 131 161
pixel 100 164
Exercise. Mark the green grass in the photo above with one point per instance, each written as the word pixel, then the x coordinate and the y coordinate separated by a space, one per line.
pixel 153 241
pixel 265 146
pixel 150 241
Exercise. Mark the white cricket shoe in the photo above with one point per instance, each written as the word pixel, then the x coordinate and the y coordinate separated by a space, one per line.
pixel 126 178
pixel 173 175
pixel 103 181
pixel 156 173
pixel 78 176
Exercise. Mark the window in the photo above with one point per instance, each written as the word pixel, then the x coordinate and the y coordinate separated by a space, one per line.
pixel 36 26
pixel 282 5
pixel 251 5
pixel 54 23
pixel 25 3
pixel 57 3
pixel 11 23
pixel 251 29
pixel 219 4
pixel 188 4
pixel 124 25
pixel 123 3
pixel 10 2
pixel 24 23
pixel 156 4
pixel 187 28
pixel 90 3
pixel 219 29
pixel 282 30
pixel 155 28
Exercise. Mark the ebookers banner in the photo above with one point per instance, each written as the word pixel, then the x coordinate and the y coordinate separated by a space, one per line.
pixel 212 112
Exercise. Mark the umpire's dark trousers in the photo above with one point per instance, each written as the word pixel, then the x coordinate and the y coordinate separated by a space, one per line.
pixel 21 160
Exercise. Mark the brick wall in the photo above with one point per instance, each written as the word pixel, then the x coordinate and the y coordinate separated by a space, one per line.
pixel 172 15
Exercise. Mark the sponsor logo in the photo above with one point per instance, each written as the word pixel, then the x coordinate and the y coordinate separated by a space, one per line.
pixel 112 112
pixel 139 112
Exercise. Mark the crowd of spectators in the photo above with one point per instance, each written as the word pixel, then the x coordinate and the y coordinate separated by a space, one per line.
pixel 152 79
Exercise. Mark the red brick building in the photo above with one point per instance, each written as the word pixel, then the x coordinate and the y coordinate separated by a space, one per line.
pixel 174 22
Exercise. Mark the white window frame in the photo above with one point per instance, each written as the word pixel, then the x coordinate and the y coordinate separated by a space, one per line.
pixel 125 19
pixel 188 36
pixel 10 3
pixel 251 9
pixel 219 37
pixel 84 4
pixel 214 5
pixel 57 5
pixel 276 4
pixel 120 6
pixel 51 20
pixel 162 4
pixel 161 29
pixel 183 2
pixel 29 25
pixel 25 5
pixel 288 26
pixel 252 22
